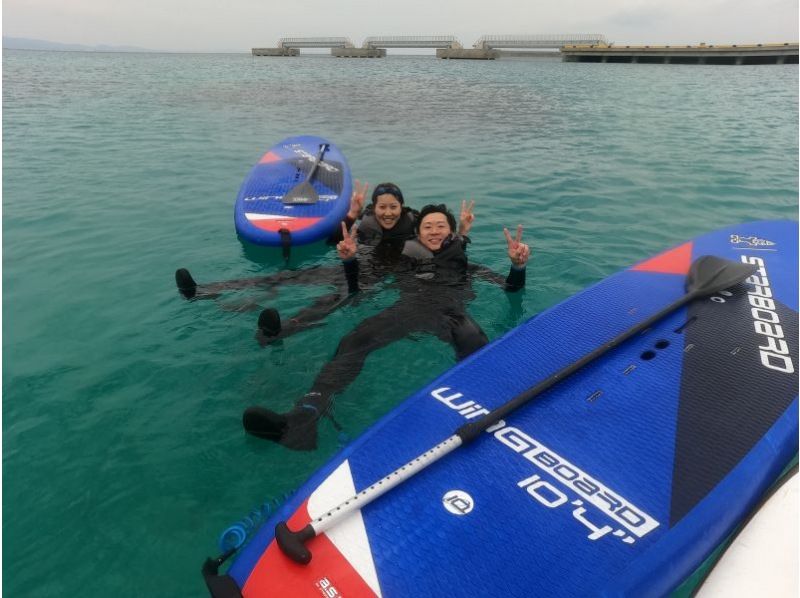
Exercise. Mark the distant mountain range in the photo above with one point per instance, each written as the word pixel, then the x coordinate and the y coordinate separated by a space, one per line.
pixel 22 43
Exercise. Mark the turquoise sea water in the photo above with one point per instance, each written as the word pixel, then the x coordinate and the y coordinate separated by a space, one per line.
pixel 123 454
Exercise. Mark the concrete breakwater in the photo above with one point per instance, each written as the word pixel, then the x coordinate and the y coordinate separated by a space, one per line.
pixel 786 53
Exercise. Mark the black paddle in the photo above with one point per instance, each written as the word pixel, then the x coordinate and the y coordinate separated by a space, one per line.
pixel 304 193
pixel 707 275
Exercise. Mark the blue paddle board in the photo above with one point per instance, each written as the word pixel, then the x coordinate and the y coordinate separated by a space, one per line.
pixel 621 480
pixel 263 215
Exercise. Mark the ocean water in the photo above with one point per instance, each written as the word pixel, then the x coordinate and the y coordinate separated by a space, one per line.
pixel 123 453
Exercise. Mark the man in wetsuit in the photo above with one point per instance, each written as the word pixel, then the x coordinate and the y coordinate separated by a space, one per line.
pixel 433 285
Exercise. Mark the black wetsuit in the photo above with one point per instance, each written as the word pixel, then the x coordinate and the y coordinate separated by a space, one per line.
pixel 433 287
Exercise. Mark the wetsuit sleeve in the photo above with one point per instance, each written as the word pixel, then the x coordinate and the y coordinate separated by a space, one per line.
pixel 513 282
pixel 336 235
pixel 515 279
pixel 481 272
pixel 351 274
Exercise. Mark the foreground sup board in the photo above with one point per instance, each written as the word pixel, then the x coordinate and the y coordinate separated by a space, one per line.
pixel 622 480
pixel 266 213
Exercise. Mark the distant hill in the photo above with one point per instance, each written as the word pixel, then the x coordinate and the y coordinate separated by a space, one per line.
pixel 21 43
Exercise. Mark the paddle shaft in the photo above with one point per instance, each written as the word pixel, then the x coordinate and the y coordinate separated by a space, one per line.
pixel 469 431
pixel 719 274
pixel 322 149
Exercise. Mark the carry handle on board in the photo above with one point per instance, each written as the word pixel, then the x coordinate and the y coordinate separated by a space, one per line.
pixel 304 193
pixel 707 275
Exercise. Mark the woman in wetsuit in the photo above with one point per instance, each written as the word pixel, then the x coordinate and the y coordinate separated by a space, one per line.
pixel 387 218
pixel 433 288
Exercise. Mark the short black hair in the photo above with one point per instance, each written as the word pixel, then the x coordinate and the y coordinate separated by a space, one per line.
pixel 436 208
pixel 384 188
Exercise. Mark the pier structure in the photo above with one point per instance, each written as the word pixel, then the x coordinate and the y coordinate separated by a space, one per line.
pixel 786 53
pixel 315 42
pixel 376 46
pixel 412 41
pixel 539 41
pixel 488 47
pixel 571 47
pixel 545 45
pixel 447 46
pixel 290 46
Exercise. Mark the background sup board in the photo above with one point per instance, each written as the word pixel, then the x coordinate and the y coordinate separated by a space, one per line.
pixel 622 480
pixel 278 204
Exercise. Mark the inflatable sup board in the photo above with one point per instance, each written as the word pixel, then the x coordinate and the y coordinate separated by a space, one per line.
pixel 298 193
pixel 621 480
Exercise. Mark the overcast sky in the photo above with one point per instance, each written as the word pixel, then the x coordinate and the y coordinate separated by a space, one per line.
pixel 214 25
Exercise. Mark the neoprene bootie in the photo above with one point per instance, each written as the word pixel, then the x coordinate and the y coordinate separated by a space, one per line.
pixel 264 423
pixel 301 429
pixel 186 284
pixel 269 322
pixel 295 429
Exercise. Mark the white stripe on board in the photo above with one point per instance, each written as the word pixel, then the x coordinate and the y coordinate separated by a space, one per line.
pixel 349 535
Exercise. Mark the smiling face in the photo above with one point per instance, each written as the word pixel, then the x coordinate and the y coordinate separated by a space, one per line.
pixel 387 210
pixel 433 230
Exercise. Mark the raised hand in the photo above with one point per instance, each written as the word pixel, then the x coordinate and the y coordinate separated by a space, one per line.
pixel 346 248
pixel 518 251
pixel 357 200
pixel 467 217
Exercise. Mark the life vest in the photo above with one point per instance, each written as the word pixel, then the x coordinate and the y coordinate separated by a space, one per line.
pixel 370 232
pixel 448 263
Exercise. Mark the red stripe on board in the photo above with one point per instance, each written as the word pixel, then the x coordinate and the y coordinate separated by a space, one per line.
pixel 674 261
pixel 269 157
pixel 290 224
pixel 328 573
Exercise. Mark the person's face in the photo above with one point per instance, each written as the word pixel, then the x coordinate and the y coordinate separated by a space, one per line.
pixel 387 210
pixel 433 230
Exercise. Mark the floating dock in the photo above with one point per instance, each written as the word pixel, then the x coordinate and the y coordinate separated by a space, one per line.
pixel 786 53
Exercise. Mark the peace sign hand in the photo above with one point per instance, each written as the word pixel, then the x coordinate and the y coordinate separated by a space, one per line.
pixel 467 217
pixel 357 200
pixel 346 248
pixel 518 251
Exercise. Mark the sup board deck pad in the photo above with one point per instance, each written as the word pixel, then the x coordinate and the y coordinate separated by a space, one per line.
pixel 260 213
pixel 621 480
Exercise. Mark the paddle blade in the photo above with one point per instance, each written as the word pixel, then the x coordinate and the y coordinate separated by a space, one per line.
pixel 710 274
pixel 304 193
